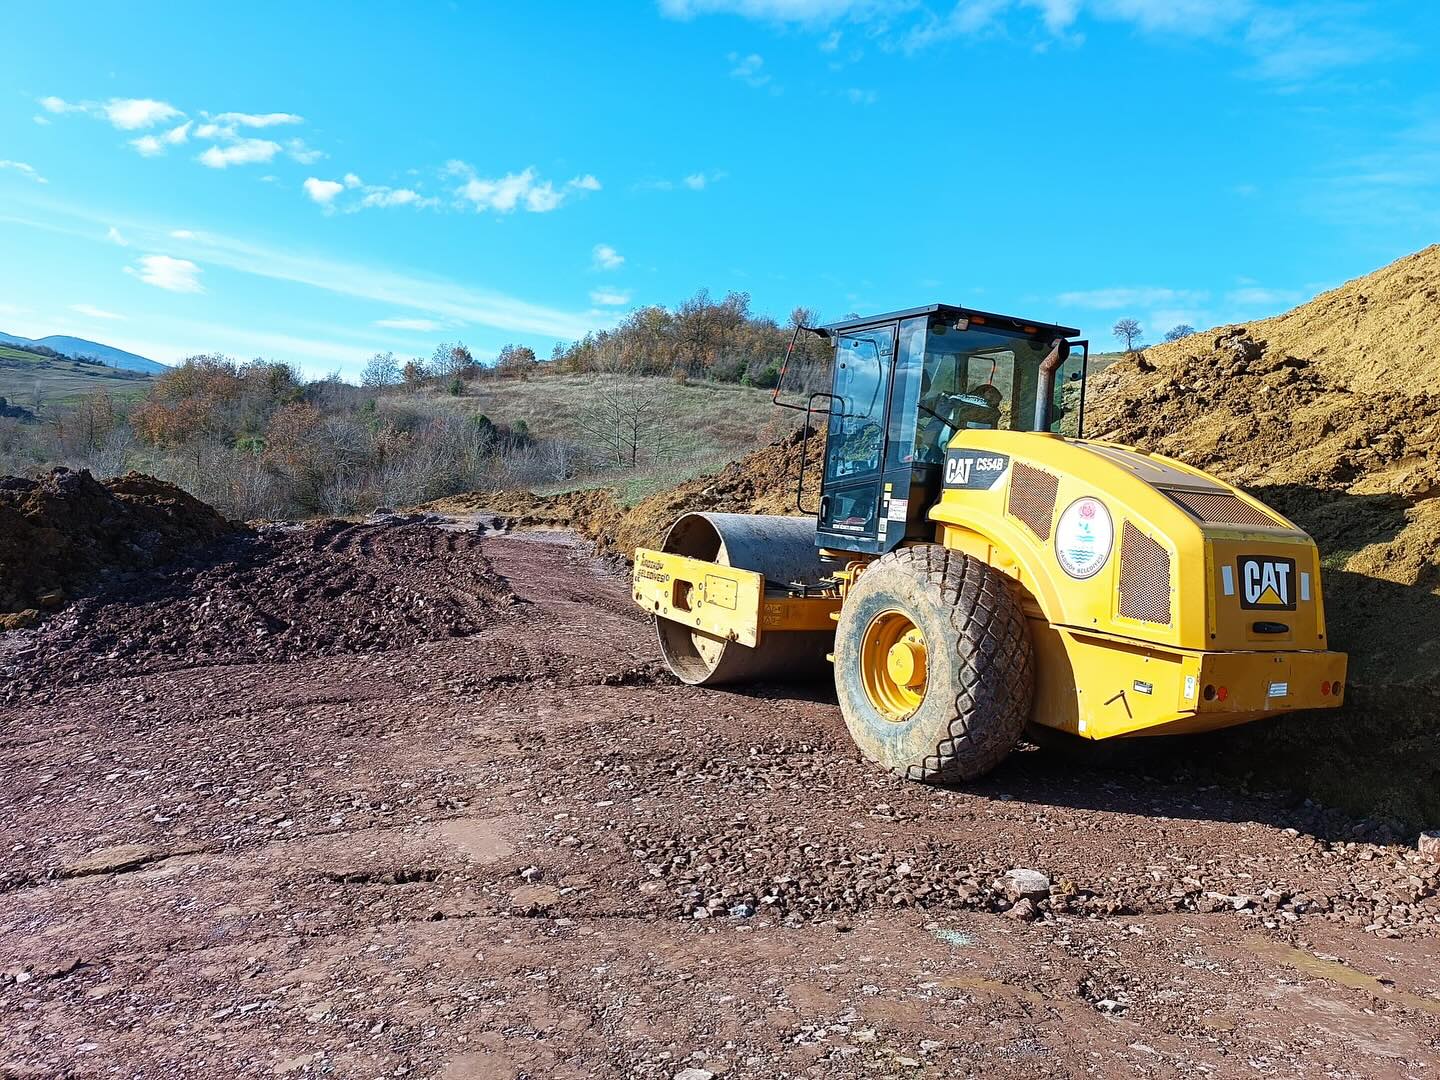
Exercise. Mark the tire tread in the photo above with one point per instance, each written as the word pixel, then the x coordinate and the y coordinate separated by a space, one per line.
pixel 993 698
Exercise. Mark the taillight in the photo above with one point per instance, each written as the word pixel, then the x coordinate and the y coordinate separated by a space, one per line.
pixel 1325 688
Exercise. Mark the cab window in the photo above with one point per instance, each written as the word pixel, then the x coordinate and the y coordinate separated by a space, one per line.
pixel 856 435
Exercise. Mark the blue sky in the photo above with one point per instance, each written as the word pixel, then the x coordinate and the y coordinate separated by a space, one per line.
pixel 313 183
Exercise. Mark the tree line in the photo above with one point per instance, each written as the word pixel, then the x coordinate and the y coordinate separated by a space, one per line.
pixel 702 338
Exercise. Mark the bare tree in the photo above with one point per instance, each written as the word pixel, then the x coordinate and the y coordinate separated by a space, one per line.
pixel 1175 333
pixel 1128 331
pixel 382 369
pixel 629 422
pixel 452 360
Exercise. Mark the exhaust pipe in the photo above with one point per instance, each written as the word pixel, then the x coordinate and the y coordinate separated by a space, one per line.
pixel 1059 353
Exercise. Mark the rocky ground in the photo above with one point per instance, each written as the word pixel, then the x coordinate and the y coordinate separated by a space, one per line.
pixel 395 800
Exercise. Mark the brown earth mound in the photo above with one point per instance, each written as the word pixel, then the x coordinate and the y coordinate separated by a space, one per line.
pixel 1331 414
pixel 61 534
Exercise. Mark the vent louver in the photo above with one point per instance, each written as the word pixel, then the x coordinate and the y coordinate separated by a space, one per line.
pixel 1144 577
pixel 1220 508
pixel 1032 498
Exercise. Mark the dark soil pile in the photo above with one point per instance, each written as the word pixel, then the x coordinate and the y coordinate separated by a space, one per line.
pixel 283 594
pixel 60 535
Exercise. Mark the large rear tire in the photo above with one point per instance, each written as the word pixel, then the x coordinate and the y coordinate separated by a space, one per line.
pixel 933 664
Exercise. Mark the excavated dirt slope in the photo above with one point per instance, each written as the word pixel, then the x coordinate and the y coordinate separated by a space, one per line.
pixel 762 483
pixel 1330 413
pixel 59 534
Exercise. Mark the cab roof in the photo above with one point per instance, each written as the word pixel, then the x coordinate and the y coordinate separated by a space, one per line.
pixel 950 312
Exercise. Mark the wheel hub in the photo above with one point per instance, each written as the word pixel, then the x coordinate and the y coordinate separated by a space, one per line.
pixel 905 662
pixel 893 657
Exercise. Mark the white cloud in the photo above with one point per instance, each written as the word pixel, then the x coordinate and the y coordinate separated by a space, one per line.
pixel 437 297
pixel 857 96
pixel 256 120
pixel 1162 321
pixel 305 155
pixel 515 190
pixel 610 297
pixel 27 171
pixel 1255 296
pixel 387 196
pixel 129 114
pixel 802 11
pixel 400 289
pixel 1130 297
pixel 607 258
pixel 697 181
pixel 60 105
pixel 228 131
pixel 164 272
pixel 95 312
pixel 322 191
pixel 225 127
pixel 182 234
pixel 749 69
pixel 116 237
pixel 241 152
pixel 325 193
pixel 43 121
pixel 422 325
pixel 1286 45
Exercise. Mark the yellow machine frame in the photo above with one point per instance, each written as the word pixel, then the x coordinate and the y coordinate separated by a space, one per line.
pixel 1103 668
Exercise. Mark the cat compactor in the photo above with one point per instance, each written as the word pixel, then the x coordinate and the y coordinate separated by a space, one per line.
pixel 972 565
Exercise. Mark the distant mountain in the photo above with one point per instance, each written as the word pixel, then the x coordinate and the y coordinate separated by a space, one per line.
pixel 79 348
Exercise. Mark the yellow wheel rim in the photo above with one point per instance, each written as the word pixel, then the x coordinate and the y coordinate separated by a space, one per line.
pixel 893 665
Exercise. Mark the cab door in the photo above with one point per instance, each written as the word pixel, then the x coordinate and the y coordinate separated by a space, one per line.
pixel 855 443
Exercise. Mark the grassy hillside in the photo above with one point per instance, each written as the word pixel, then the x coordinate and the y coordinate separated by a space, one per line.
pixel 704 425
pixel 28 378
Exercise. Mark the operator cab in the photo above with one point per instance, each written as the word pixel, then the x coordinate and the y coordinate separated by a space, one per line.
pixel 904 385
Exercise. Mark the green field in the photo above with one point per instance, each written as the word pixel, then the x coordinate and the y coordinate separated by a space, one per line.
pixel 705 425
pixel 32 380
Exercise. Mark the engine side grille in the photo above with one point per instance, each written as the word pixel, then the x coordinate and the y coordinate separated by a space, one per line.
pixel 1220 508
pixel 1032 497
pixel 1144 577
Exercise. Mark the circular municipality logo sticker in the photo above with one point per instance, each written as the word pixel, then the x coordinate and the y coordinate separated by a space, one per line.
pixel 1083 538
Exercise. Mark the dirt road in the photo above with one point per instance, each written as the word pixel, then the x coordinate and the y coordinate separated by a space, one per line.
pixel 237 839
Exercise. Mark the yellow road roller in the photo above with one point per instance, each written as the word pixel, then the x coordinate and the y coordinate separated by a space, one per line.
pixel 970 564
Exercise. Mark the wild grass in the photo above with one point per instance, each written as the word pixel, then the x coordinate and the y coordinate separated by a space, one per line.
pixel 45 384
pixel 702 426
pixel 705 414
